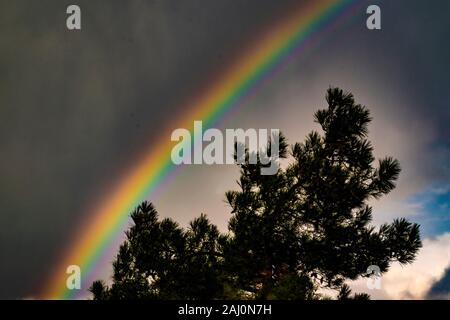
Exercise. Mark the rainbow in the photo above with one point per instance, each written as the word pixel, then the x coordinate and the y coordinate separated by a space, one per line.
pixel 265 56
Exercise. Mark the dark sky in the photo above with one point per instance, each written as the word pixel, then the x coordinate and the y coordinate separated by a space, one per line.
pixel 77 107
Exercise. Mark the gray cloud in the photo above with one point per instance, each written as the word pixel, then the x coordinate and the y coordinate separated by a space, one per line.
pixel 77 107
pixel 440 289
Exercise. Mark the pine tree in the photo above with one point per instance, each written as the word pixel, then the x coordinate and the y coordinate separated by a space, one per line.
pixel 305 228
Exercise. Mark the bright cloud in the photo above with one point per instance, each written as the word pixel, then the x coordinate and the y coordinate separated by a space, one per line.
pixel 415 280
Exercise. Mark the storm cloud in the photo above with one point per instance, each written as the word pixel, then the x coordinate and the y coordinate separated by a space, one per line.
pixel 77 107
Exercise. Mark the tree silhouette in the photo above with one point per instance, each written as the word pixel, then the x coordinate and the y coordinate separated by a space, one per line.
pixel 303 229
